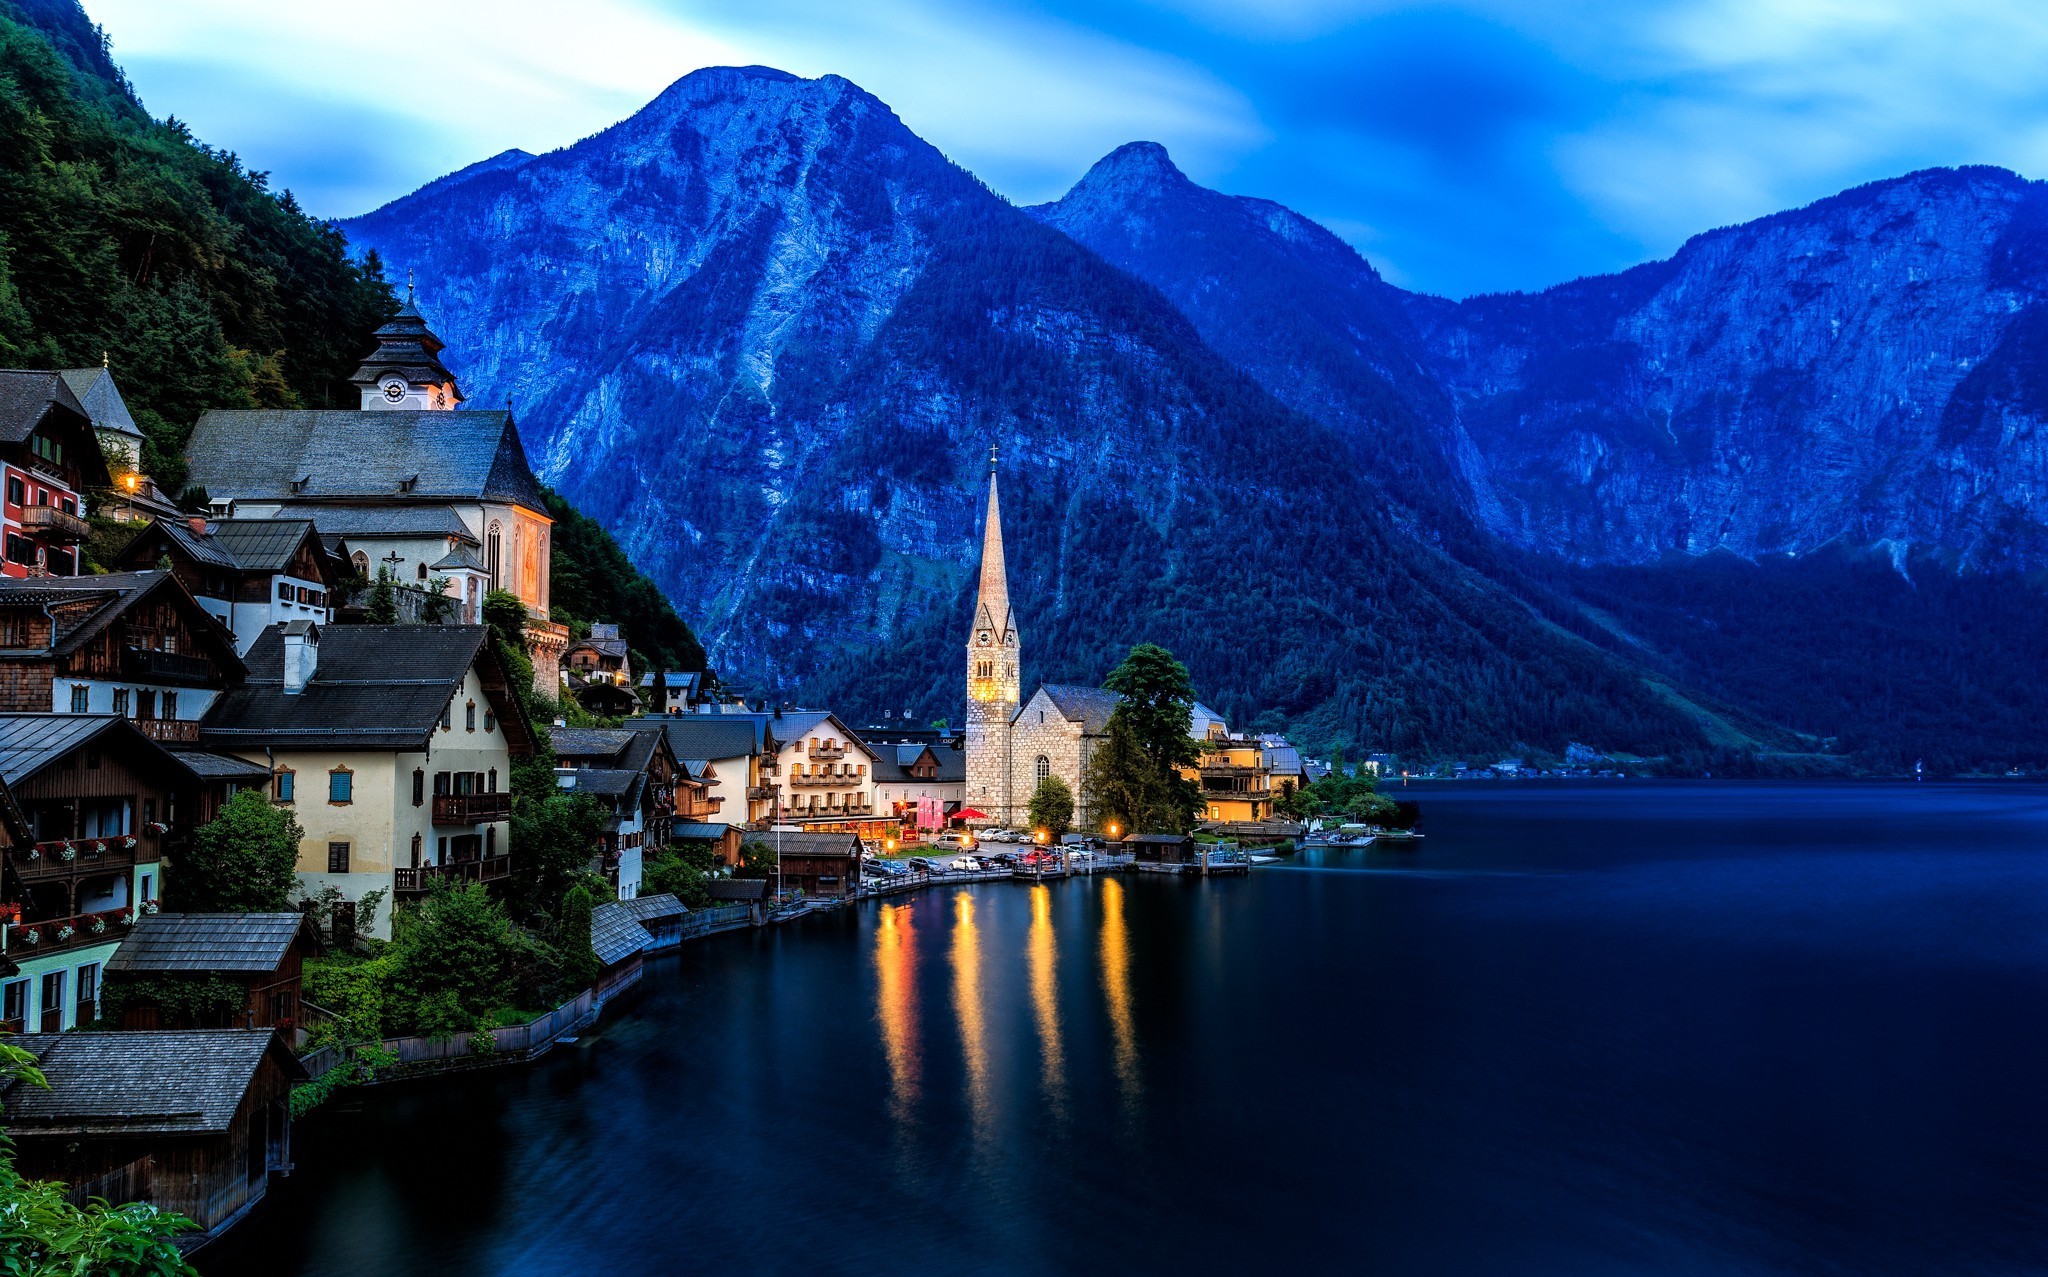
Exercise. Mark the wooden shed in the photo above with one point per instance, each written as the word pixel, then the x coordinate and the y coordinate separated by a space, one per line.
pixel 618 940
pixel 193 1121
pixel 261 953
pixel 1160 849
pixel 817 864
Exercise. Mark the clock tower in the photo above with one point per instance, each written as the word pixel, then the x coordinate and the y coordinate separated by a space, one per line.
pixel 992 675
pixel 405 370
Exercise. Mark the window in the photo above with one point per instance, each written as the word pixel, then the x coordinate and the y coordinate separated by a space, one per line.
pixel 81 698
pixel 490 840
pixel 67 505
pixel 148 891
pixel 492 543
pixel 283 785
pixel 16 491
pixel 121 701
pixel 48 449
pixel 469 717
pixel 419 786
pixel 145 703
pixel 417 844
pixel 337 857
pixel 53 1001
pixel 341 786
pixel 493 782
pixel 88 992
pixel 284 593
pixel 170 704
pixel 14 1003
pixel 16 630
pixel 1044 769
pixel 149 810
pixel 448 717
pixel 20 550
pixel 490 719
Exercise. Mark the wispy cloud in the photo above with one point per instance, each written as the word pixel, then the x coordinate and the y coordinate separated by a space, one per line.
pixel 1487 144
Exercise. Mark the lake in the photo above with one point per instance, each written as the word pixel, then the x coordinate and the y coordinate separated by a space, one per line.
pixel 1598 1029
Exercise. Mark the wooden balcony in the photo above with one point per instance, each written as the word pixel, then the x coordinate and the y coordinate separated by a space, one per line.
pixel 48 523
pixel 151 666
pixel 827 753
pixel 48 937
pixel 170 730
pixel 74 857
pixel 825 782
pixel 472 809
pixel 761 793
pixel 417 882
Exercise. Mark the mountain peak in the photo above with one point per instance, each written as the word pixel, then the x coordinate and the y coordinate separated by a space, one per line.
pixel 1133 168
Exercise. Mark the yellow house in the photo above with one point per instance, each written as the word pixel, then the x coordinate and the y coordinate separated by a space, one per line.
pixel 1236 784
pixel 392 744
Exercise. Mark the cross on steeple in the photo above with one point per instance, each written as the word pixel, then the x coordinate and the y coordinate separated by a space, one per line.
pixel 408 285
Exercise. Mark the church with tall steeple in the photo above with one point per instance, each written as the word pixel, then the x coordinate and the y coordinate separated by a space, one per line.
pixel 1012 748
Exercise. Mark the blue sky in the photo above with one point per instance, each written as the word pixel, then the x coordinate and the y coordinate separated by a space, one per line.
pixel 1463 148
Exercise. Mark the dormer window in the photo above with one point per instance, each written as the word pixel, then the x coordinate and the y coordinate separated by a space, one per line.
pixel 301 483
pixel 48 449
pixel 409 483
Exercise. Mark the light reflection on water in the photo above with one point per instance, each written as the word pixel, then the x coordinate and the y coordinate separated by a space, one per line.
pixel 1045 1004
pixel 896 1004
pixel 1116 988
pixel 972 1017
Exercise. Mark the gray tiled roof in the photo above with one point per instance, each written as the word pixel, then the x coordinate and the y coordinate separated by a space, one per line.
pixel 31 742
pixel 1088 706
pixel 366 521
pixel 101 399
pixel 29 395
pixel 374 687
pixel 590 742
pixel 711 831
pixel 260 453
pixel 208 942
pixel 1283 759
pixel 706 735
pixel 459 559
pixel 210 766
pixel 116 593
pixel 811 844
pixel 615 934
pixel 177 1082
pixel 259 545
pixel 608 782
pixel 654 908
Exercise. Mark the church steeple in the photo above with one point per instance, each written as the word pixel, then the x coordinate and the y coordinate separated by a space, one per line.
pixel 405 370
pixel 992 674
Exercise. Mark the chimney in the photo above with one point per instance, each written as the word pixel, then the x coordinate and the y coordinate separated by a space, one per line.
pixel 198 525
pixel 301 655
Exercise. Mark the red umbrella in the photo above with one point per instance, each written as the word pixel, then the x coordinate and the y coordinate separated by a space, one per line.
pixel 968 813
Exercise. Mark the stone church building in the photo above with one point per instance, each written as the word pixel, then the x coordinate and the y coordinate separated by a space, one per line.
pixel 1011 746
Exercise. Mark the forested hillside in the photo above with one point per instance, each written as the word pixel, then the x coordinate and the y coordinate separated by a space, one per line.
pixel 126 239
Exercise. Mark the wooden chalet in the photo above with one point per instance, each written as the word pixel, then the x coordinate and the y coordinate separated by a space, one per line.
pixel 194 1122
pixel 49 458
pixel 824 865
pixel 1160 849
pixel 249 574
pixel 262 953
pixel 133 644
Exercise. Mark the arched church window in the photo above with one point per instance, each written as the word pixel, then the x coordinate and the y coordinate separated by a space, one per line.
pixel 492 547
pixel 1044 769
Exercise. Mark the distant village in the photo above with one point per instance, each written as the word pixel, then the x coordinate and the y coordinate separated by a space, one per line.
pixel 330 636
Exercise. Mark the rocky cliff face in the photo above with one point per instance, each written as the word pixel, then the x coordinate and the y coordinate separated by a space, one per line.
pixel 768 336
pixel 1861 371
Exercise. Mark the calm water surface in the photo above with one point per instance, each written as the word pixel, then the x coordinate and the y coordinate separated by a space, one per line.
pixel 1628 1029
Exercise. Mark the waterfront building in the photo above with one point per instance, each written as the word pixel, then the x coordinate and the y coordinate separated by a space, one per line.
pixel 194 1122
pixel 416 486
pixel 736 751
pixel 823 773
pixel 618 940
pixel 261 955
pixel 914 777
pixel 249 574
pixel 49 458
pixel 394 746
pixel 635 777
pixel 1232 775
pixel 1285 770
pixel 821 865
pixel 92 809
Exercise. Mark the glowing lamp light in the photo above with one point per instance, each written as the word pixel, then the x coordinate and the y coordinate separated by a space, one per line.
pixel 1112 829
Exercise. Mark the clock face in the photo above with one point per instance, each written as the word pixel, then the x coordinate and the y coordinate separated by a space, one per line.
pixel 394 390
pixel 982 638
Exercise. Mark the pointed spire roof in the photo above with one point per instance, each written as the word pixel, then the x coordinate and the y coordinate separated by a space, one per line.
pixel 992 606
pixel 406 346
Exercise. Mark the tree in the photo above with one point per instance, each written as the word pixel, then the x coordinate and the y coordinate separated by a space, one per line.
pixel 244 860
pixel 458 961
pixel 1158 704
pixel 1126 787
pixel 42 1233
pixel 553 840
pixel 382 608
pixel 681 869
pixel 757 860
pixel 579 959
pixel 506 616
pixel 1052 807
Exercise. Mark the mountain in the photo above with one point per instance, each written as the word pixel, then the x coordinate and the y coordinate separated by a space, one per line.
pixel 1795 467
pixel 770 336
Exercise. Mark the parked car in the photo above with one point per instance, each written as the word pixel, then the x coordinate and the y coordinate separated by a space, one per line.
pixel 956 841
pixel 1003 857
pixel 1081 855
pixel 964 864
pixel 921 865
